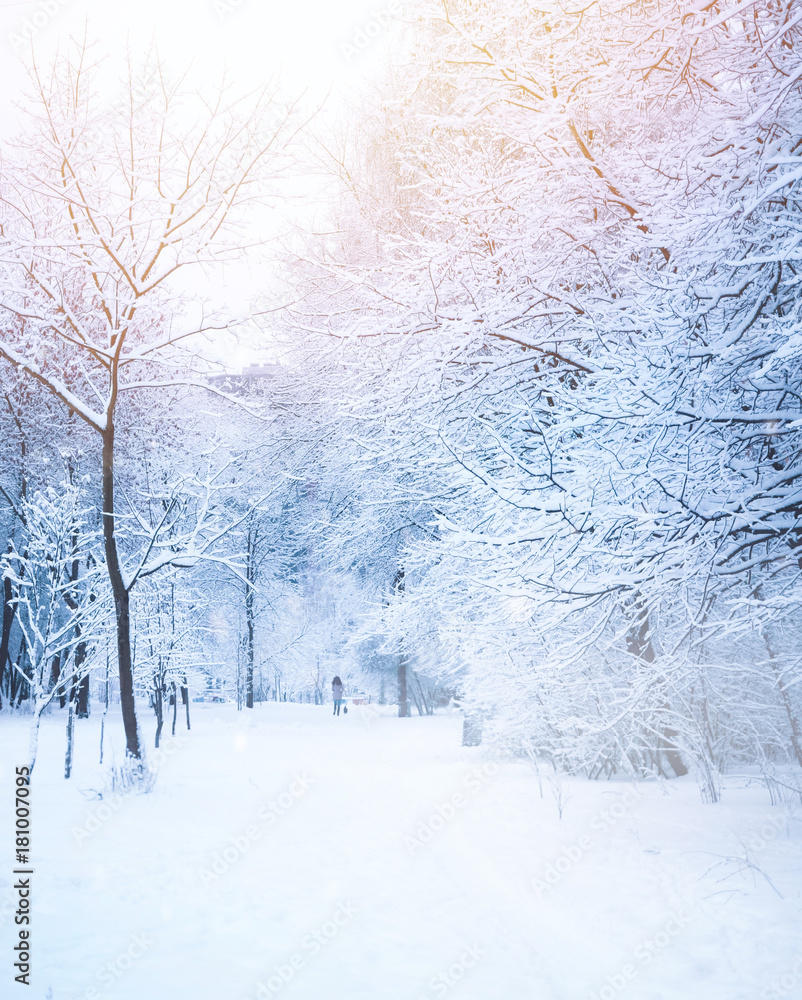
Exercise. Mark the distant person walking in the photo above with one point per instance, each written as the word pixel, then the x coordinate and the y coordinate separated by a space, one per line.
pixel 337 694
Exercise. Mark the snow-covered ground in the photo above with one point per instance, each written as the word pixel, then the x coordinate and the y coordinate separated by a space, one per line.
pixel 284 852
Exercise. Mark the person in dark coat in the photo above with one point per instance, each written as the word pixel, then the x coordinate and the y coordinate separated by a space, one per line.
pixel 337 694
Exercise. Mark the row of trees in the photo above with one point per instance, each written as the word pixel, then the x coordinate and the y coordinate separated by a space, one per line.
pixel 567 272
pixel 536 430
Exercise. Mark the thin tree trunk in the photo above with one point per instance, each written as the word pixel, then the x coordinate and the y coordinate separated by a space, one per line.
pixel 249 661
pixel 55 676
pixel 105 709
pixel 239 675
pixel 416 694
pixel 403 703
pixel 793 721
pixel 185 699
pixel 79 689
pixel 70 735
pixel 82 701
pixel 158 703
pixel 122 607
pixel 9 610
pixel 79 682
pixel 20 684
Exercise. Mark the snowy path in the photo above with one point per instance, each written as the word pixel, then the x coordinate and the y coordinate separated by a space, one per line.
pixel 286 849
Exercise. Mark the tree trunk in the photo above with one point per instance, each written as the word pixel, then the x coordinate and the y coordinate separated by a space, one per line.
pixel 105 709
pixel 185 699
pixel 55 676
pixel 70 736
pixel 639 642
pixel 420 698
pixel 33 737
pixel 158 703
pixel 249 661
pixel 416 695
pixel 20 684
pixel 9 610
pixel 239 675
pixel 79 689
pixel 122 607
pixel 403 703
pixel 793 720
pixel 82 697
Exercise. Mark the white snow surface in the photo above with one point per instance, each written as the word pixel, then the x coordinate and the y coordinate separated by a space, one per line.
pixel 285 852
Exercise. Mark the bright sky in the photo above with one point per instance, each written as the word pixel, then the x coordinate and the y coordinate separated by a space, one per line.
pixel 303 39
pixel 313 46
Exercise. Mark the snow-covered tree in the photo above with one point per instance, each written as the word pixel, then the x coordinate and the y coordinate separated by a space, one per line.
pixel 62 607
pixel 102 207
pixel 573 258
